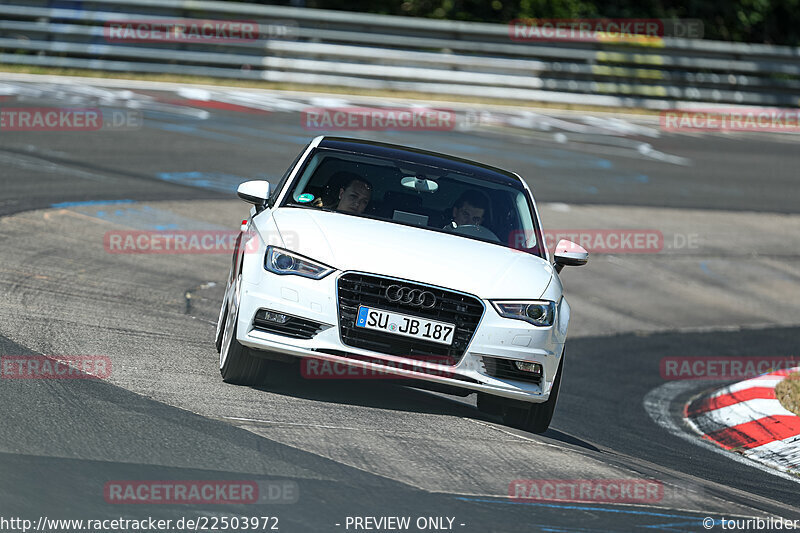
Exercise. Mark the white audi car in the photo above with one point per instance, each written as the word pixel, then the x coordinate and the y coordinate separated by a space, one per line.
pixel 389 260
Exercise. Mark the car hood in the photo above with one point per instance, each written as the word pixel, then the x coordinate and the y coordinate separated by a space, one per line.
pixel 348 242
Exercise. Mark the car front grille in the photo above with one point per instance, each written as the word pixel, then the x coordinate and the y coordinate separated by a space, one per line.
pixel 295 327
pixel 462 310
pixel 505 369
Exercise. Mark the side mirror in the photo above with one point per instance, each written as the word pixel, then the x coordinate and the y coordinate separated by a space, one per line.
pixel 568 253
pixel 254 192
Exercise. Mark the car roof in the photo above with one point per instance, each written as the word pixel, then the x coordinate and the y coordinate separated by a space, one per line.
pixel 417 155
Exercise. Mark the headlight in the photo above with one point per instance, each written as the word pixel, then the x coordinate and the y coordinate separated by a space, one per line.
pixel 284 262
pixel 537 312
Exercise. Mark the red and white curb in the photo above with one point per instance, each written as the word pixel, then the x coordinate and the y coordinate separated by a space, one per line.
pixel 747 418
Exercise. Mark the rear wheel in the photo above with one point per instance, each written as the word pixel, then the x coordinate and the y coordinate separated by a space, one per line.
pixel 533 417
pixel 237 364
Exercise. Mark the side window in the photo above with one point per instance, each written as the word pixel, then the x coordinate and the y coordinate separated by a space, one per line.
pixel 282 182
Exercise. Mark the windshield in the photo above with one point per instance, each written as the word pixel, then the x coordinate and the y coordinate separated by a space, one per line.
pixel 476 206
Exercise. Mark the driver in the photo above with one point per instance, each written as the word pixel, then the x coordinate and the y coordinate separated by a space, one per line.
pixel 470 209
pixel 354 195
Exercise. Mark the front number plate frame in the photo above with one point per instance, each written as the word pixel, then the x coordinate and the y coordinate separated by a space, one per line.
pixel 405 325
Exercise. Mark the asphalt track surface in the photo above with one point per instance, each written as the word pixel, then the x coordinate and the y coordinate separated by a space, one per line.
pixel 369 448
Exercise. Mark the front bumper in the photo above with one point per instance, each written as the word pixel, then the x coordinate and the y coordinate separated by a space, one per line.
pixel 495 336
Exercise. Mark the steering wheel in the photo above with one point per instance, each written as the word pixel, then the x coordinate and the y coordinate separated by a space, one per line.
pixel 473 230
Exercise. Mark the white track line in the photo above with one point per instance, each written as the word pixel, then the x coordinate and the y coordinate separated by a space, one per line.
pixel 784 454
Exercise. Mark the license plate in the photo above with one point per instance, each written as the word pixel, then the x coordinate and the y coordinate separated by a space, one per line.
pixel 407 326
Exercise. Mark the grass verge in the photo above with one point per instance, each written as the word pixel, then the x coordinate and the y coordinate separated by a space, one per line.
pixel 788 393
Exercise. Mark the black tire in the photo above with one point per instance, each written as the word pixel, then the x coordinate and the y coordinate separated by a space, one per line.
pixel 223 308
pixel 218 339
pixel 241 367
pixel 238 365
pixel 490 404
pixel 533 417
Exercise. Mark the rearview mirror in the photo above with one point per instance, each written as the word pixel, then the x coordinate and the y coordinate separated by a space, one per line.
pixel 254 192
pixel 419 184
pixel 568 253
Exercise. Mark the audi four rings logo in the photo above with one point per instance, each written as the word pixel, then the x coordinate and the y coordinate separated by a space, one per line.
pixel 407 295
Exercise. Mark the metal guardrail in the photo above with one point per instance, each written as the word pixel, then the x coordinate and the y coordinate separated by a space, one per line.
pixel 312 46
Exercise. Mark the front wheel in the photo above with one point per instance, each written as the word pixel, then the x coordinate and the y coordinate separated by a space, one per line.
pixel 236 362
pixel 533 417
pixel 223 314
